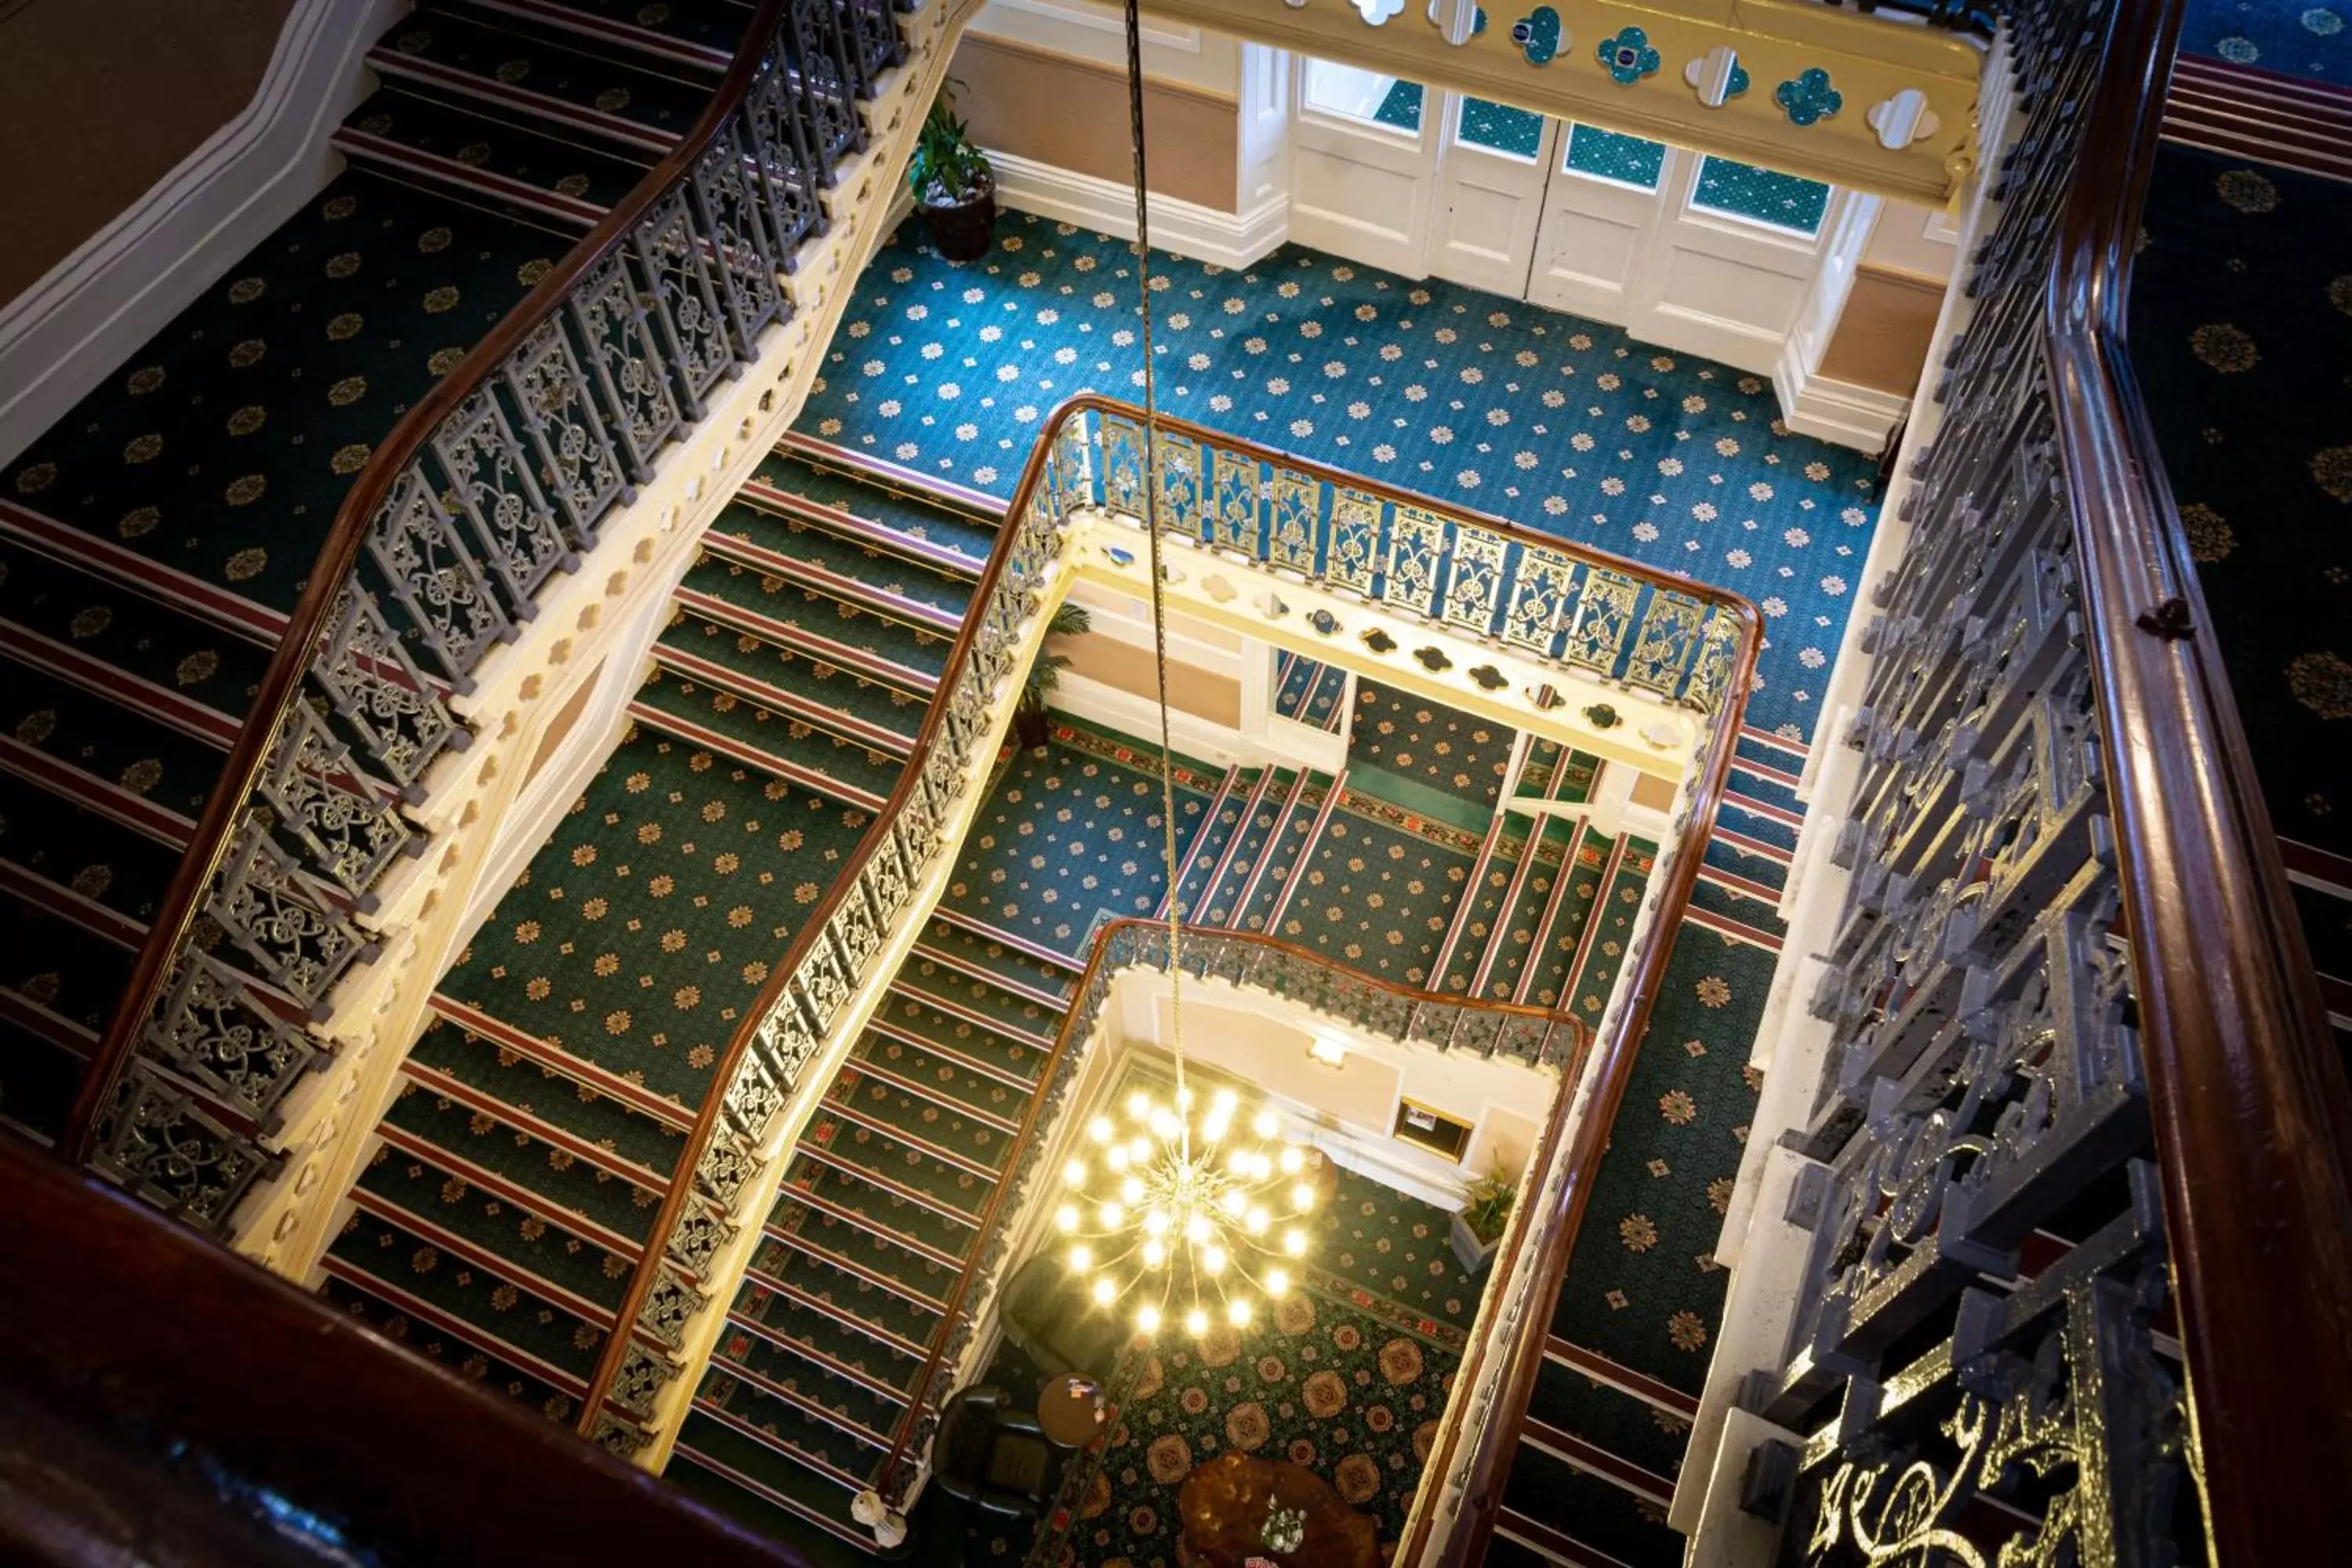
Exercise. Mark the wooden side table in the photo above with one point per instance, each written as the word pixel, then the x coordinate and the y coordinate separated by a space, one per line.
pixel 1223 1507
pixel 1070 1410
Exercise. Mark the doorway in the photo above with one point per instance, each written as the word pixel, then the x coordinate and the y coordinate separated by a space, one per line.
pixel 1687 250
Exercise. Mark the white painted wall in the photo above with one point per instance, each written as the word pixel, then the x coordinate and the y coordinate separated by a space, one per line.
pixel 1171 51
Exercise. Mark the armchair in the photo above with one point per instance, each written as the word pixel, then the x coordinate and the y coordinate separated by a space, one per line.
pixel 991 1455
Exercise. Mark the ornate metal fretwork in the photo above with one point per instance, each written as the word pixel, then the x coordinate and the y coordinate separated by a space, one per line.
pixel 1977 1351
pixel 459 536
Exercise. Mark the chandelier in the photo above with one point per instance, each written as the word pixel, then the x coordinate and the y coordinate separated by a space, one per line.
pixel 1184 1212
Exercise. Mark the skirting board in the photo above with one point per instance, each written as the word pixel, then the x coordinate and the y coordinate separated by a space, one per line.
pixel 1203 233
pixel 69 331
pixel 1836 411
pixel 1192 735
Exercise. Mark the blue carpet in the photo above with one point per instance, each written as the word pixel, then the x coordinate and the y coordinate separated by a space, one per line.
pixel 2293 37
pixel 1549 420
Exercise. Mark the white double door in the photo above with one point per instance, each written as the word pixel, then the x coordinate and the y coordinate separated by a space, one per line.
pixel 1427 182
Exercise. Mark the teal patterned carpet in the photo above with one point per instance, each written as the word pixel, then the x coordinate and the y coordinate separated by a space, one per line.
pixel 1547 420
pixel 2293 37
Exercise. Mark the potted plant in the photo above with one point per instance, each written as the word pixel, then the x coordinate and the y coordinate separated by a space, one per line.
pixel 953 185
pixel 1485 1215
pixel 1030 723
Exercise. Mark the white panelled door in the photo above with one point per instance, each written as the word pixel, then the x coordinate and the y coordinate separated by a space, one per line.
pixel 1491 171
pixel 1363 165
pixel 1699 254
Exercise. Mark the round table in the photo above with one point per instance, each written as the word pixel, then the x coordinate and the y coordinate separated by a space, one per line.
pixel 1070 1410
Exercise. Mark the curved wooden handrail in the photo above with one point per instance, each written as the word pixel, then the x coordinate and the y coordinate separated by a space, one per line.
pixel 708 1119
pixel 2246 1086
pixel 1074 1030
pixel 290 664
pixel 1553 1233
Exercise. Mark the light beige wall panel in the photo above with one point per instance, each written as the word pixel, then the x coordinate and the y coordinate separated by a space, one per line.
pixel 1070 111
pixel 1883 339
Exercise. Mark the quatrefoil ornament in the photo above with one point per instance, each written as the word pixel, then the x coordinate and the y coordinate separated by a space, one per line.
pixel 1539 35
pixel 1628 56
pixel 1809 97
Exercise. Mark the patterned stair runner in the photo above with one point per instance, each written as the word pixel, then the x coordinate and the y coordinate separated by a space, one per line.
pixel 1271 885
pixel 1205 851
pixel 1309 692
pixel 153 542
pixel 1269 800
pixel 539 1122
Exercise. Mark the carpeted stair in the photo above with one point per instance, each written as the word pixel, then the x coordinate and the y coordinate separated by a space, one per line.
pixel 539 1122
pixel 880 1211
pixel 153 542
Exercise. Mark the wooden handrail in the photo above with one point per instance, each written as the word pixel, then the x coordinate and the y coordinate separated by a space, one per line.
pixel 2246 1086
pixel 1075 1026
pixel 282 682
pixel 161 1389
pixel 1497 1436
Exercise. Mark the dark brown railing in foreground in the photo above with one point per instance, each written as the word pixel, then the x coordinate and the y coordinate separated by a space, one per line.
pixel 165 1400
pixel 1297 974
pixel 494 480
pixel 2246 1081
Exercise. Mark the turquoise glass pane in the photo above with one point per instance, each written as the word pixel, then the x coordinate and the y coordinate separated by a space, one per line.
pixel 1402 107
pixel 1767 196
pixel 1608 155
pixel 1499 128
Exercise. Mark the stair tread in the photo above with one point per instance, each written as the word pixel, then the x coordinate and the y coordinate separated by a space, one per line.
pixel 815 1179
pixel 830 689
pixel 1594 1511
pixel 705 1434
pixel 1548 981
pixel 1309 692
pixel 820 1328
pixel 1247 842
pixel 505 1310
pixel 1610 922
pixel 813 546
pixel 517 66
pixel 946 1081
pixel 1281 854
pixel 1512 936
pixel 909 657
pixel 941 526
pixel 399 113
pixel 868 775
pixel 533 1242
pixel 60 965
pixel 820 1448
pixel 548 1095
pixel 648 922
pixel 52 838
pixel 38 1081
pixel 1208 845
pixel 211 404
pixel 461 1355
pixel 873 1415
pixel 107 741
pixel 1582 767
pixel 973 951
pixel 888 1157
pixel 1004 1017
pixel 872 1099
pixel 1484 901
pixel 1610 1418
pixel 858 1300
pixel 107 620
pixel 713 25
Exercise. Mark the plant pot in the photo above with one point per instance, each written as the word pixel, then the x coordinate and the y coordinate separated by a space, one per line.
pixel 1031 725
pixel 1473 1254
pixel 962 231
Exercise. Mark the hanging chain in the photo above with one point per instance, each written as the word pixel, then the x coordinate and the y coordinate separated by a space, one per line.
pixel 1159 576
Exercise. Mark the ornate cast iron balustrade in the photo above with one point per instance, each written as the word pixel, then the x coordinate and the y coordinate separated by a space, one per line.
pixel 498 481
pixel 2081 1124
pixel 1693 643
pixel 1374 1007
pixel 1654 630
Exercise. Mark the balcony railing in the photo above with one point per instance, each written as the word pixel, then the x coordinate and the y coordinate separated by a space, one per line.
pixel 1580 612
pixel 498 480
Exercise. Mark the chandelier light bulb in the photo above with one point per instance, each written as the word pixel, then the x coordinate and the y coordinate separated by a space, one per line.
pixel 1130 1191
pixel 1154 1254
pixel 1065 1218
pixel 1113 1216
pixel 1277 1283
pixel 1212 1260
pixel 1265 1124
pixel 1139 1149
pixel 1232 1202
pixel 1100 1130
pixel 1138 1106
pixel 1155 1223
pixel 1146 1319
pixel 1237 1313
pixel 1256 1220
pixel 1075 1173
pixel 1292 1160
pixel 1302 1197
pixel 1082 1258
pixel 1294 1242
pixel 1104 1291
pixel 1196 1323
pixel 1223 1102
pixel 1196 1228
pixel 1116 1159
